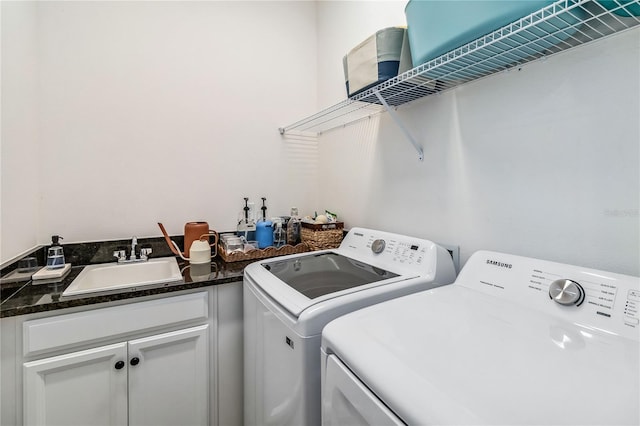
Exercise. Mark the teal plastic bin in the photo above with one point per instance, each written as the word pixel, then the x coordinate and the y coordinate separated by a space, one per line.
pixel 437 27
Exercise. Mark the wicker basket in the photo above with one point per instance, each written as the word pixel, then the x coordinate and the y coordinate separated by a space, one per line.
pixel 322 236
pixel 261 253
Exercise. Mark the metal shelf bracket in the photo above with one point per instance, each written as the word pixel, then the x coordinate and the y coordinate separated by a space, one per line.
pixel 400 124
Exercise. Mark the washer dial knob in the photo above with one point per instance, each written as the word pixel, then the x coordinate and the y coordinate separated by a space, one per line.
pixel 566 292
pixel 378 246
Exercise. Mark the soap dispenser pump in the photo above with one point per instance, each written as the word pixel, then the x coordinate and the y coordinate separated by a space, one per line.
pixel 55 254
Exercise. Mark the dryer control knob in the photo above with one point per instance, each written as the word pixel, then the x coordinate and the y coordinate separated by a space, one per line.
pixel 566 292
pixel 378 246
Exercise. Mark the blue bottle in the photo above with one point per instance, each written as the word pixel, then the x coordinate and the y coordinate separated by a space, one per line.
pixel 264 233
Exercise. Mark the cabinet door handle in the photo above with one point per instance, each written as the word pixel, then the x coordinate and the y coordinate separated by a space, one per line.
pixel 134 361
pixel 119 365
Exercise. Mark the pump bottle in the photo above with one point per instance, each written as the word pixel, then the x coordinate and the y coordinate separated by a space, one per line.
pixel 55 254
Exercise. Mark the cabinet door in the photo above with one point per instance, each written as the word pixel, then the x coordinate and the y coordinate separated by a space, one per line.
pixel 169 378
pixel 81 388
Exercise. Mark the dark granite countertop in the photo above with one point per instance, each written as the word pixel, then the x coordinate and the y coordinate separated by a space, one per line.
pixel 26 297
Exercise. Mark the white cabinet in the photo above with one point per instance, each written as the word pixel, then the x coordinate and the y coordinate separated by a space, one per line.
pixel 80 388
pixel 46 357
pixel 144 363
pixel 168 378
pixel 158 380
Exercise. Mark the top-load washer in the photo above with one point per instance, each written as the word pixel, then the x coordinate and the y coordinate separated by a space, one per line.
pixel 513 341
pixel 288 300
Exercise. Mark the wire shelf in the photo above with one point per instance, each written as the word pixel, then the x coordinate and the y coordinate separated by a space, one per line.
pixel 558 27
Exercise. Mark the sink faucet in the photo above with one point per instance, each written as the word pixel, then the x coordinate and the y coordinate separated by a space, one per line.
pixel 122 257
pixel 134 243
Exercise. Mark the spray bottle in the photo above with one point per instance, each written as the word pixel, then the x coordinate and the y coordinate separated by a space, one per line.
pixel 264 228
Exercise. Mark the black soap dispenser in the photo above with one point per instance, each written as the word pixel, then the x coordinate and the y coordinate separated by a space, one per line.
pixel 55 254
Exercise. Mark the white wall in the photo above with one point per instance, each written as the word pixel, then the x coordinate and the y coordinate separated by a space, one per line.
pixel 116 115
pixel 160 111
pixel 19 169
pixel 542 162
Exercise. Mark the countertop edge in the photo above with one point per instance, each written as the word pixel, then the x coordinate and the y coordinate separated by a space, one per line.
pixel 105 298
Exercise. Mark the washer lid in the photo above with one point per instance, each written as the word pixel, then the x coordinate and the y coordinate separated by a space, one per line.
pixel 318 274
pixel 322 276
pixel 453 355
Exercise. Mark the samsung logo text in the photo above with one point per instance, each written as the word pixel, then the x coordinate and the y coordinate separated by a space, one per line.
pixel 500 264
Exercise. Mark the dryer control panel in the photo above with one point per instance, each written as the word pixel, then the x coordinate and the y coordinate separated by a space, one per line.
pixel 589 297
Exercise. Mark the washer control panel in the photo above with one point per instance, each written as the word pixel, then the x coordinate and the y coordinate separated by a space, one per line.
pixel 590 297
pixel 392 251
pixel 399 250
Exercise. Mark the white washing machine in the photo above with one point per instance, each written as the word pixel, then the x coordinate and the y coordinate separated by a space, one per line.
pixel 288 300
pixel 513 341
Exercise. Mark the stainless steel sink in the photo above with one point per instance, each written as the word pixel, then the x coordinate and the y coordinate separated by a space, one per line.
pixel 112 277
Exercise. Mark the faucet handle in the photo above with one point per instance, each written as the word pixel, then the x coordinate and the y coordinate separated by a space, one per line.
pixel 145 252
pixel 120 255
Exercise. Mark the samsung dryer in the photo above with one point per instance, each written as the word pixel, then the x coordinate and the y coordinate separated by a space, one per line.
pixel 513 341
pixel 288 301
